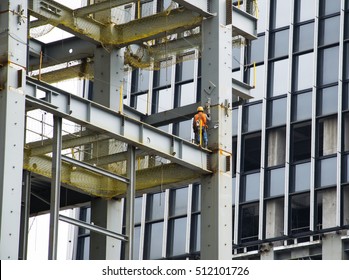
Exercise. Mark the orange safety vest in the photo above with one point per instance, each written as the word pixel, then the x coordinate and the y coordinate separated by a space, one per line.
pixel 196 121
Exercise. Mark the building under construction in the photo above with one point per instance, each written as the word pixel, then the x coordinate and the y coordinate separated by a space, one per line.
pixel 100 121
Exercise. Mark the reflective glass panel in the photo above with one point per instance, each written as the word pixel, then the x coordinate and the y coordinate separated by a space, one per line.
pixel 154 241
pixel 186 69
pixel 277 112
pixel 187 94
pixel 138 210
pixel 279 44
pixel 235 121
pixel 236 58
pixel 251 152
pixel 155 205
pixel 328 66
pixel 305 10
pixel 327 101
pixel 257 50
pixel 301 106
pixel 141 103
pixel 303 71
pixel 196 206
pixel 276 182
pixel 195 233
pixel 179 201
pixel 345 96
pixel 162 77
pixel 327 172
pixel 301 177
pixel 252 117
pixel 136 243
pixel 250 190
pixel 346 59
pixel 185 130
pixel 261 16
pixel 165 98
pixel 346 132
pixel 177 236
pixel 142 80
pixel 328 31
pixel 304 37
pixel 280 13
pixel 278 74
pixel 329 7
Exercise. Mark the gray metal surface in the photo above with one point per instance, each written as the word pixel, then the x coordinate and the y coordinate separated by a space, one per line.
pixel 55 187
pixel 13 55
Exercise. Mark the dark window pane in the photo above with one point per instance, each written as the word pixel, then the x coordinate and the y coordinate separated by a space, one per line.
pixel 303 71
pixel 300 213
pixel 304 37
pixel 196 206
pixel 305 10
pixel 195 233
pixel 276 182
pixel 346 26
pixel 328 66
pixel 326 172
pixel 327 31
pixel 280 13
pixel 346 96
pixel 177 238
pixel 257 50
pixel 301 106
pixel 252 152
pixel 327 136
pixel 327 101
pixel 179 201
pixel 346 132
pixel 250 187
pixel 301 142
pixel 346 60
pixel 249 217
pixel 301 177
pixel 345 169
pixel 252 117
pixel 279 44
pixel 329 7
pixel 277 111
pixel 154 241
pixel 278 77
pixel 276 146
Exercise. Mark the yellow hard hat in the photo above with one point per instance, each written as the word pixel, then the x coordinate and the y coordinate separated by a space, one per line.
pixel 200 109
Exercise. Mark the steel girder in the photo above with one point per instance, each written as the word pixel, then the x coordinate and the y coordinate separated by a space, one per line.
pixel 119 126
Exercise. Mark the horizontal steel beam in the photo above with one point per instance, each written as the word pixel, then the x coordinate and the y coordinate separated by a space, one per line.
pixel 179 114
pixel 136 31
pixel 62 51
pixel 101 6
pixel 244 24
pixel 93 228
pixel 95 169
pixel 119 126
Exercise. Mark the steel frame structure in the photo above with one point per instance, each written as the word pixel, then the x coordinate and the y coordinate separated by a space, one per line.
pixel 101 114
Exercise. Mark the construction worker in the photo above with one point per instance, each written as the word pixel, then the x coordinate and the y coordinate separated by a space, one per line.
pixel 200 127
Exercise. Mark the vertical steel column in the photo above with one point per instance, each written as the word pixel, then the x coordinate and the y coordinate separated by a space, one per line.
pixel 216 198
pixel 130 200
pixel 25 212
pixel 13 55
pixel 55 187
